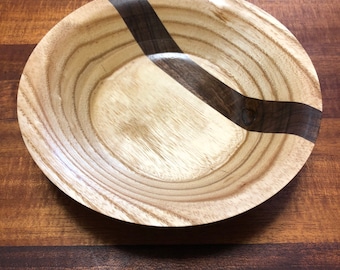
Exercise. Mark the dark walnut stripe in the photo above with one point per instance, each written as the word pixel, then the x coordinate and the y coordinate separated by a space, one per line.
pixel 145 26
pixel 249 113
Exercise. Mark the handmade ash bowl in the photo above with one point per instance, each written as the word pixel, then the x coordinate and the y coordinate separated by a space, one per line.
pixel 169 113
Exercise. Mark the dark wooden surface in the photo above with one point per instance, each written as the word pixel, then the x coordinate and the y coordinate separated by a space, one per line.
pixel 40 227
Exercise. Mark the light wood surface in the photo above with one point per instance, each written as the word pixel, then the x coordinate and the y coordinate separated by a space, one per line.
pixel 115 132
pixel 41 227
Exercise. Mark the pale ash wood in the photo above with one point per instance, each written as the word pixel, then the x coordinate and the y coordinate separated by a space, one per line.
pixel 304 212
pixel 136 120
pixel 118 135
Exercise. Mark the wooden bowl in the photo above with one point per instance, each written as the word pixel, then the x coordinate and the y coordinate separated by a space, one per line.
pixel 169 113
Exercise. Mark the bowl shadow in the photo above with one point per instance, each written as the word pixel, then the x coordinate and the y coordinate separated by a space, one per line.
pixel 235 230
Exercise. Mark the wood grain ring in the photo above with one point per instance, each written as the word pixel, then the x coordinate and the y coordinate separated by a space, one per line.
pixel 108 117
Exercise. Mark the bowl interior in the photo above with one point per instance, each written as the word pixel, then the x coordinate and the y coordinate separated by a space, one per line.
pixel 120 135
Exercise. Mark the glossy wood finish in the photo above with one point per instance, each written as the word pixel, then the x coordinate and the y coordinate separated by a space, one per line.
pixel 252 114
pixel 297 228
pixel 121 136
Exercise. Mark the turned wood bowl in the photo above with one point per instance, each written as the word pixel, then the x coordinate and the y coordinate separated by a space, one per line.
pixel 169 113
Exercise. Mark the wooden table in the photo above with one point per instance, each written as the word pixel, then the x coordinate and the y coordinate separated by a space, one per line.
pixel 40 227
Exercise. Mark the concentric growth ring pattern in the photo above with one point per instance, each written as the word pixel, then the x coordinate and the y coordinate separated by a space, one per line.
pixel 169 114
